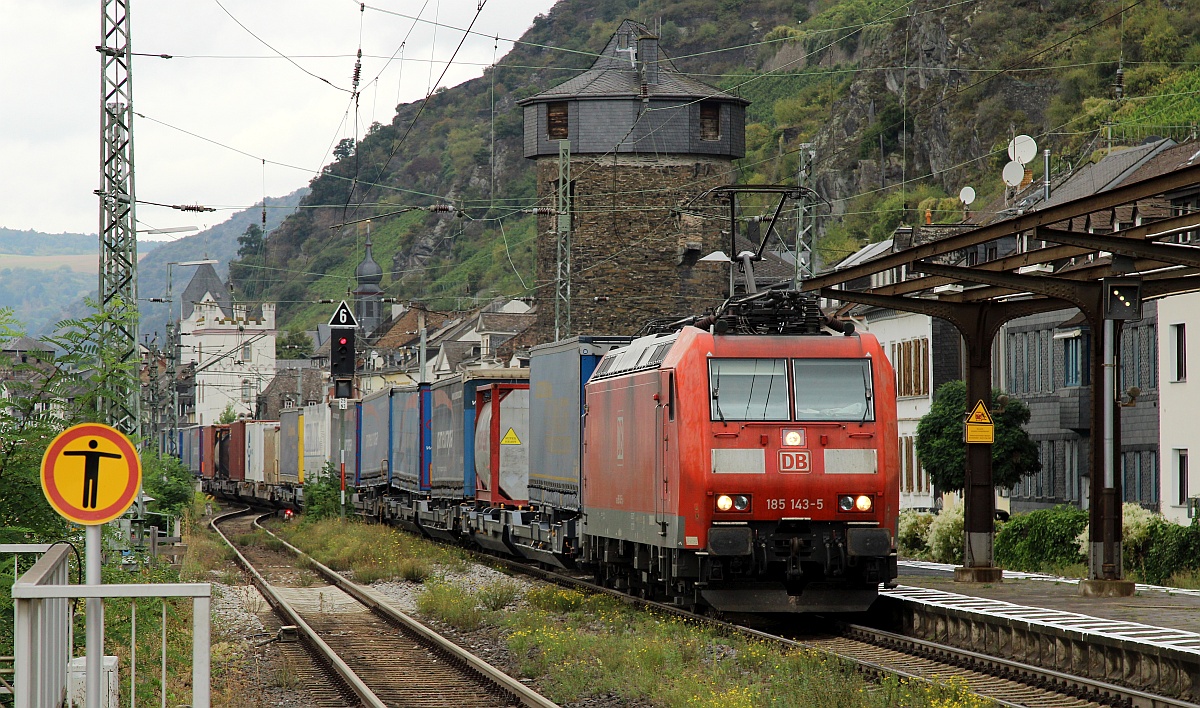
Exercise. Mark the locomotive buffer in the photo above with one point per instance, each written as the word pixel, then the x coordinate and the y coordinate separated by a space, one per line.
pixel 342 326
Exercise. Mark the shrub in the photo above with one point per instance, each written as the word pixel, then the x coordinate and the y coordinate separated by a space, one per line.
pixel 1172 549
pixel 912 533
pixel 945 537
pixel 1041 540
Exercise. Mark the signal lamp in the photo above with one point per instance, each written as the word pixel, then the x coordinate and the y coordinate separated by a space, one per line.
pixel 724 502
pixel 1122 298
pixel 863 503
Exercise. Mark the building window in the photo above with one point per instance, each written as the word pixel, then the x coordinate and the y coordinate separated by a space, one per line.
pixel 556 120
pixel 1075 361
pixel 247 350
pixel 247 391
pixel 911 361
pixel 1181 469
pixel 1178 346
pixel 710 121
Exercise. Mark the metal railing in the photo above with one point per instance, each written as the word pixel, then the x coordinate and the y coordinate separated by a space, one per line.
pixel 42 646
pixel 17 550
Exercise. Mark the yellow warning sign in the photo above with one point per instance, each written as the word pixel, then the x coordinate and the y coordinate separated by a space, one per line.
pixel 980 433
pixel 979 414
pixel 510 438
pixel 91 473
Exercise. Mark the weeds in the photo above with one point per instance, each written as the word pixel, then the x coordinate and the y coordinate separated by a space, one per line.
pixel 497 595
pixel 450 604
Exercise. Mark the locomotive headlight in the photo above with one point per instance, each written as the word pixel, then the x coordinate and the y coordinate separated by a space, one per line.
pixel 741 502
pixel 793 438
pixel 855 502
pixel 724 502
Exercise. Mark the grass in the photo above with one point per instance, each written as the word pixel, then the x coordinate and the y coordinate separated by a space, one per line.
pixel 371 552
pixel 576 645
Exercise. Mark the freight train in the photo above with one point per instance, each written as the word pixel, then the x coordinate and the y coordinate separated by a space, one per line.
pixel 745 461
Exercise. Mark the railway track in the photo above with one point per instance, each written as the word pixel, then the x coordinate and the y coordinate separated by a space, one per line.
pixel 879 654
pixel 377 655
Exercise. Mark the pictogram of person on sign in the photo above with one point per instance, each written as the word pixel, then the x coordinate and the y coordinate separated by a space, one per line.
pixel 91 471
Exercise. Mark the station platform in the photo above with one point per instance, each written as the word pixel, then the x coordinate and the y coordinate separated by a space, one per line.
pixel 1150 641
pixel 1154 605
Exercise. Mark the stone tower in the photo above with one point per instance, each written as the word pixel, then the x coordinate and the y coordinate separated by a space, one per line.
pixel 368 295
pixel 645 142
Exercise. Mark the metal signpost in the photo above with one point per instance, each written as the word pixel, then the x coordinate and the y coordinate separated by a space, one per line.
pixel 91 474
pixel 342 326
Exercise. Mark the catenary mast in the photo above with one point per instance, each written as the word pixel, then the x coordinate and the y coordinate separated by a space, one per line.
pixel 118 232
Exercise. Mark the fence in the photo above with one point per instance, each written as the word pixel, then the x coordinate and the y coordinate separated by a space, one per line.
pixel 42 646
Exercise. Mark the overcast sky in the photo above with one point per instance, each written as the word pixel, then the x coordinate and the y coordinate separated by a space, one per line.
pixel 223 85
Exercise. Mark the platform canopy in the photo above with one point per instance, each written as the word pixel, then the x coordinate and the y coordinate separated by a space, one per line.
pixel 1060 266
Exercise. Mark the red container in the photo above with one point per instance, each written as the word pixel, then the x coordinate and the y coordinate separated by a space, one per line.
pixel 208 452
pixel 230 442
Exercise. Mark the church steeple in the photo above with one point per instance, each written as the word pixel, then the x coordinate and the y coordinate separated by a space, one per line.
pixel 368 294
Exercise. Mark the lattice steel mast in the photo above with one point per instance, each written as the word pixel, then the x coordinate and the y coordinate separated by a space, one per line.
pixel 562 278
pixel 118 231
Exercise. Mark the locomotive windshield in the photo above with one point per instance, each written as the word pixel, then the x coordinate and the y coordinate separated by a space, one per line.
pixel 748 389
pixel 833 389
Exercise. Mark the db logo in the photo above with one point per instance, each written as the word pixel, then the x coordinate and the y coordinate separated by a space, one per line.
pixel 794 461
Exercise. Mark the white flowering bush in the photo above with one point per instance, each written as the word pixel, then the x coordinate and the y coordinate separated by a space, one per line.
pixel 945 537
pixel 912 533
pixel 1136 523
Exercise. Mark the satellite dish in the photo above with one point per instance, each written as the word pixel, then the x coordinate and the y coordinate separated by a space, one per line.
pixel 1022 149
pixel 1013 173
pixel 966 195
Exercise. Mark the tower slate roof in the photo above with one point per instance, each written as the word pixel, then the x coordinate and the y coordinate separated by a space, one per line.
pixel 368 272
pixel 205 280
pixel 615 75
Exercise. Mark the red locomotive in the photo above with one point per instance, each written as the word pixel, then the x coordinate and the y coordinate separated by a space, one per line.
pixel 746 472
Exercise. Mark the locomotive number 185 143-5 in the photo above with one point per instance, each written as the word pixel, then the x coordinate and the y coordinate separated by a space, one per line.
pixel 778 504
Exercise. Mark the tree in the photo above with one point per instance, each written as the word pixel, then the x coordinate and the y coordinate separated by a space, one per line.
pixel 344 148
pixel 293 345
pixel 250 243
pixel 942 450
pixel 44 393
pixel 228 415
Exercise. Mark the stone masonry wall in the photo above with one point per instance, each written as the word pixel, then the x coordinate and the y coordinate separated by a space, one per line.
pixel 629 244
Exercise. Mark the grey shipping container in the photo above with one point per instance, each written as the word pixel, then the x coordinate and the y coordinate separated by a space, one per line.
pixel 348 441
pixel 558 372
pixel 374 461
pixel 452 473
pixel 289 446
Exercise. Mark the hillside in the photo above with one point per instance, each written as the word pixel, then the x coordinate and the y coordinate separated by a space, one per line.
pixel 217 242
pixel 904 103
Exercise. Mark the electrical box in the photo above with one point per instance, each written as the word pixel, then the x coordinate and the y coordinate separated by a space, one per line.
pixel 110 693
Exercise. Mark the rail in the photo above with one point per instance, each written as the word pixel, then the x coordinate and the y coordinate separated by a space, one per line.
pixel 42 640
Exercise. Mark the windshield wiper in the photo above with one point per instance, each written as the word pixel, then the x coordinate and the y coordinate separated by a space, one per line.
pixel 866 395
pixel 716 394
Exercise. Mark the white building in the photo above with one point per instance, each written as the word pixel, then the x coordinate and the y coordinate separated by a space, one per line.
pixel 231 345
pixel 1179 404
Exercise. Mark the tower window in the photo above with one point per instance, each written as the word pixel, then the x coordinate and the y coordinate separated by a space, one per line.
pixel 710 121
pixel 556 120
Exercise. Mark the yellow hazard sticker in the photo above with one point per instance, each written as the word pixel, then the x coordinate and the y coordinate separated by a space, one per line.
pixel 979 415
pixel 510 438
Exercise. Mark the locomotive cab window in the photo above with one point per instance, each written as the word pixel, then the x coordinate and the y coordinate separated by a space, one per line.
pixel 748 389
pixel 833 389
